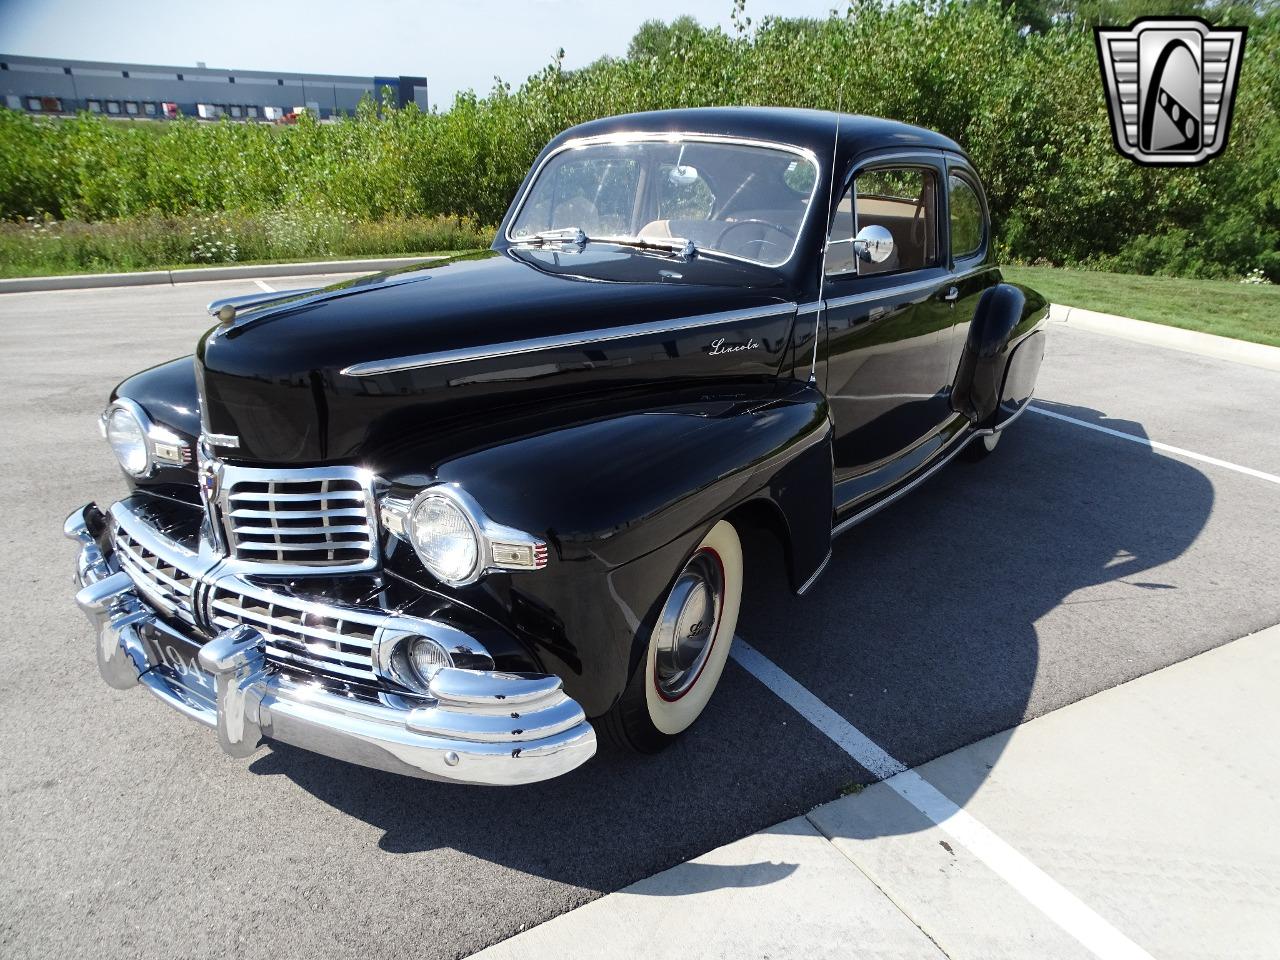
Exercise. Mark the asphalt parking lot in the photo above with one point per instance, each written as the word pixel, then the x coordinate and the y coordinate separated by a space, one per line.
pixel 1069 562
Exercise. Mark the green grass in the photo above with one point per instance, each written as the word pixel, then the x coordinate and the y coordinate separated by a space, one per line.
pixel 6 271
pixel 1229 309
pixel 32 248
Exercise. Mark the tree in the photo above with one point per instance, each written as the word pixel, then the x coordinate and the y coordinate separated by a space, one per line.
pixel 664 40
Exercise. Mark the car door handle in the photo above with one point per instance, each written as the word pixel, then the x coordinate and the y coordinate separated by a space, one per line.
pixel 952 295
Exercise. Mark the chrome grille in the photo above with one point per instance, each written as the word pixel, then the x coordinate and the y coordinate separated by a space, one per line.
pixel 300 634
pixel 312 640
pixel 166 585
pixel 321 517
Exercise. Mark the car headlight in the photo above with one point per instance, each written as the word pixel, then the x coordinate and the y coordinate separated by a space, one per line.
pixel 127 435
pixel 454 538
pixel 445 539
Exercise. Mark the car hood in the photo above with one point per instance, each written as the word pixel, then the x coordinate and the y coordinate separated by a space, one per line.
pixel 324 377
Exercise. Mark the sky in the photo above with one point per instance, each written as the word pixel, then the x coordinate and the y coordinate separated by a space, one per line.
pixel 456 45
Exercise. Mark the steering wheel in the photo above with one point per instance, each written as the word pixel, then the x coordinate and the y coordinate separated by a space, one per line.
pixel 719 243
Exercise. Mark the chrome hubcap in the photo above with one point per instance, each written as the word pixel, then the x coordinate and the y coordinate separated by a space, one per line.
pixel 687 626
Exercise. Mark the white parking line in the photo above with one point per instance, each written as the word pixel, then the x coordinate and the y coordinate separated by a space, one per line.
pixel 265 286
pixel 1154 445
pixel 1042 891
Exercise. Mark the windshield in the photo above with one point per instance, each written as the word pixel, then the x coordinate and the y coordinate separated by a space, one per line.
pixel 736 199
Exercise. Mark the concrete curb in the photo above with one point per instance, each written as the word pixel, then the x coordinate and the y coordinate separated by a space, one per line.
pixel 1173 338
pixel 88 281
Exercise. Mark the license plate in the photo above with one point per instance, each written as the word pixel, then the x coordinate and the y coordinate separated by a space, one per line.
pixel 177 656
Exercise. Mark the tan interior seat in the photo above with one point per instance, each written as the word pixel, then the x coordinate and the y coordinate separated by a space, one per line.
pixel 656 230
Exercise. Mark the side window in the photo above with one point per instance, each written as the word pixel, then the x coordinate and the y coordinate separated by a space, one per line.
pixel 902 200
pixel 966 218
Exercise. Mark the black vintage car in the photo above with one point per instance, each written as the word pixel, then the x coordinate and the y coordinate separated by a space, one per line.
pixel 454 520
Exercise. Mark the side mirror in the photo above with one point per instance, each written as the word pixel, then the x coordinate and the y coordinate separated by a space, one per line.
pixel 873 244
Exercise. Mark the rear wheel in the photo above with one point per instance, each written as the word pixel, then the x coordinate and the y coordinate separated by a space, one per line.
pixel 687 649
pixel 981 447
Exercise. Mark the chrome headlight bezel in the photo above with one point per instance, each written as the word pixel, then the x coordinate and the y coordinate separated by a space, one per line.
pixel 161 446
pixel 128 408
pixel 392 653
pixel 469 524
pixel 498 547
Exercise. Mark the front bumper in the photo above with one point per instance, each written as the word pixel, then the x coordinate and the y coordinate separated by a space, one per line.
pixel 476 727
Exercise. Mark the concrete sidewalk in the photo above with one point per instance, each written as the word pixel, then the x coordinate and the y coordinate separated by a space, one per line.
pixel 1172 338
pixel 1153 804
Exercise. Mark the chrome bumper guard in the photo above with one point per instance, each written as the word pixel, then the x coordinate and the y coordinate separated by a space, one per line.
pixel 477 727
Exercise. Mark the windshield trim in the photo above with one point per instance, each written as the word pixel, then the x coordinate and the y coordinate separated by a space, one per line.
pixel 657 136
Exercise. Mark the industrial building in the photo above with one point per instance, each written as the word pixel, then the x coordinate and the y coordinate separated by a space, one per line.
pixel 147 91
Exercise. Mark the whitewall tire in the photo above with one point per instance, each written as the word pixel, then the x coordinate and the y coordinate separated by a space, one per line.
pixel 688 647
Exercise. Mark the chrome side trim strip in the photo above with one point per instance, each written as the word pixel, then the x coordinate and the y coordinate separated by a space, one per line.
pixel 911 288
pixel 804 587
pixel 920 286
pixel 920 478
pixel 908 486
pixel 1008 420
pixel 565 341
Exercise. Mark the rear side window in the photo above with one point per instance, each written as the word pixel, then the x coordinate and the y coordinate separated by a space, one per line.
pixel 967 231
pixel 903 200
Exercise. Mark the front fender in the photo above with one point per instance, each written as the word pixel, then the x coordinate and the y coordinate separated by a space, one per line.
pixel 624 500
pixel 616 489
pixel 168 394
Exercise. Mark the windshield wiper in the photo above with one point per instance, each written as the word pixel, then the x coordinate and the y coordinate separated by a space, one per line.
pixel 680 246
pixel 574 235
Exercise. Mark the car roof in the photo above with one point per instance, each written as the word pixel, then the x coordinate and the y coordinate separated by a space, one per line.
pixel 811 129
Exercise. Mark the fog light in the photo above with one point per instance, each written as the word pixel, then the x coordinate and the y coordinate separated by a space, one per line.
pixel 427 658
pixel 409 652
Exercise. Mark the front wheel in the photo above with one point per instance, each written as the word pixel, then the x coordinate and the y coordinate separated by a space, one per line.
pixel 687 649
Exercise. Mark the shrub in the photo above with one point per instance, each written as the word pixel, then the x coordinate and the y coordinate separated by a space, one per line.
pixel 42 247
pixel 1028 105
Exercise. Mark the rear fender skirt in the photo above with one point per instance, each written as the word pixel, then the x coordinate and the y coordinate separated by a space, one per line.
pixel 1020 376
pixel 1004 314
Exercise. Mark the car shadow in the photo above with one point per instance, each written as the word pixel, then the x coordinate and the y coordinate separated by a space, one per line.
pixel 944 596
pixel 924 632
